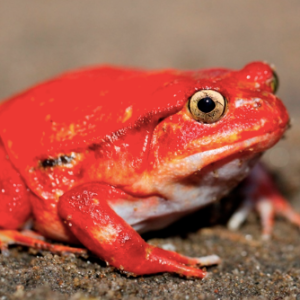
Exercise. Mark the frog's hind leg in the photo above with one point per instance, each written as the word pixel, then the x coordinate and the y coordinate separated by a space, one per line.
pixel 34 240
pixel 15 210
pixel 262 195
pixel 89 216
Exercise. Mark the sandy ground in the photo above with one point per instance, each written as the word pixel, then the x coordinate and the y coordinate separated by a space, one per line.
pixel 40 39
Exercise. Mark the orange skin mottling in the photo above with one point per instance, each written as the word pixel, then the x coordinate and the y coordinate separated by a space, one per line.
pixel 120 126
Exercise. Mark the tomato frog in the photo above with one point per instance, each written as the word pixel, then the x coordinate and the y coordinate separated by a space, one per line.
pixel 96 155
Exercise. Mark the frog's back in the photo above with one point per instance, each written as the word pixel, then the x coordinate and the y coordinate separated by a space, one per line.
pixel 83 107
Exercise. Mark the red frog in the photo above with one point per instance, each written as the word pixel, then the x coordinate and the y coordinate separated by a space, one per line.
pixel 96 155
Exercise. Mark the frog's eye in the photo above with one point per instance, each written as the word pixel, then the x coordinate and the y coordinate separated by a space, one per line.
pixel 207 106
pixel 274 82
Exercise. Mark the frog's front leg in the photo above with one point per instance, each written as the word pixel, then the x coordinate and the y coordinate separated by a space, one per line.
pixel 261 194
pixel 86 211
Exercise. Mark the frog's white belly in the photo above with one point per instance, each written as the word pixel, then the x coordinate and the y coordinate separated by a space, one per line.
pixel 184 197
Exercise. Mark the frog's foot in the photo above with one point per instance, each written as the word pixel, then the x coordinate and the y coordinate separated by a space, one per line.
pixel 31 239
pixel 262 195
pixel 86 211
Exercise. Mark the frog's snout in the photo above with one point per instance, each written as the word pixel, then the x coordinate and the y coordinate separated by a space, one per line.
pixel 260 75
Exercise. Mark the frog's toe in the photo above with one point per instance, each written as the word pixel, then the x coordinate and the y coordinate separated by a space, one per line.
pixel 290 214
pixel 240 216
pixel 204 261
pixel 210 260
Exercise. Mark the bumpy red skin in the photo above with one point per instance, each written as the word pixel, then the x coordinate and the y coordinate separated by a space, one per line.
pixel 15 204
pixel 122 123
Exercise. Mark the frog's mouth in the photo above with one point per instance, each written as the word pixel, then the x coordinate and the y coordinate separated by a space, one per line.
pixel 250 147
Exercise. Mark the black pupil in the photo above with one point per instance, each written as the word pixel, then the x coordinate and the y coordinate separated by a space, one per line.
pixel 206 105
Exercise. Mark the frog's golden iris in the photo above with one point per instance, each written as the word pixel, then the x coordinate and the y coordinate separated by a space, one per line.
pixel 207 106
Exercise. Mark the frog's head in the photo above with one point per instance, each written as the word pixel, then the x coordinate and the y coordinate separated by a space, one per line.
pixel 113 125
pixel 226 114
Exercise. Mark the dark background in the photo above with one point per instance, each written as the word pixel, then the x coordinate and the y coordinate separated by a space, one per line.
pixel 39 39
